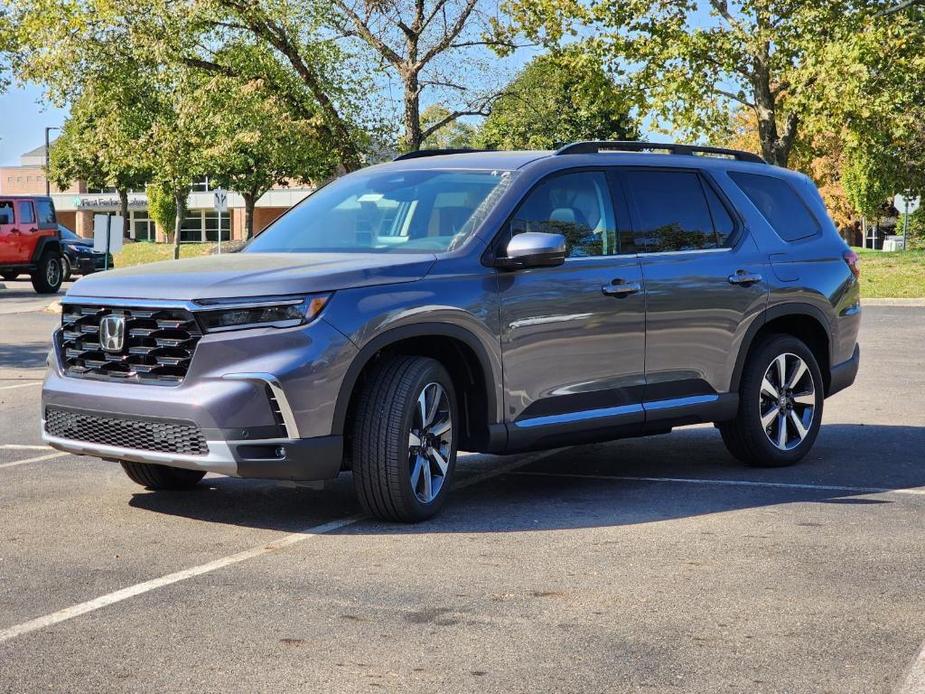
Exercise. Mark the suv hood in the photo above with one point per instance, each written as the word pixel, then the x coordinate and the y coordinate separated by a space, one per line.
pixel 239 275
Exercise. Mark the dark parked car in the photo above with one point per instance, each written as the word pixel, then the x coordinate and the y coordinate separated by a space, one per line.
pixel 79 256
pixel 483 301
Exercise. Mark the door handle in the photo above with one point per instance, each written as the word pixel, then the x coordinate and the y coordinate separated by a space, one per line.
pixel 620 288
pixel 745 278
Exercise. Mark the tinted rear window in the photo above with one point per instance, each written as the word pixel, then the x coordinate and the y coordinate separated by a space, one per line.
pixel 673 212
pixel 779 204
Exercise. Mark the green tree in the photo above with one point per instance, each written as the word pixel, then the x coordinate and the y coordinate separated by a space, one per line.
pixel 102 139
pixel 450 133
pixel 254 141
pixel 696 59
pixel 559 98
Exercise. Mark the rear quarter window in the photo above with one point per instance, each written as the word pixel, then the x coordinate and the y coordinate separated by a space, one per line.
pixel 46 211
pixel 779 204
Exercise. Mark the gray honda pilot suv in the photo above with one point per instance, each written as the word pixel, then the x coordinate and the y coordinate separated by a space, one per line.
pixel 479 301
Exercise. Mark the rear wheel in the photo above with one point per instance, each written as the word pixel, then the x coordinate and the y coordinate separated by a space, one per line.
pixel 161 476
pixel 47 277
pixel 780 404
pixel 404 445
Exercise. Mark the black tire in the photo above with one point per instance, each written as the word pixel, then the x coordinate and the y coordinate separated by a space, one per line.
pixel 66 269
pixel 161 476
pixel 746 438
pixel 385 418
pixel 9 276
pixel 47 277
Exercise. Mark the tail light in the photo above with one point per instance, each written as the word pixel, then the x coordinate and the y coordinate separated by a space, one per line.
pixel 854 263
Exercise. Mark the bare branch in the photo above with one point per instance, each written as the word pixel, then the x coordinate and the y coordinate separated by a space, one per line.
pixel 899 8
pixel 734 97
pixel 450 34
pixel 366 33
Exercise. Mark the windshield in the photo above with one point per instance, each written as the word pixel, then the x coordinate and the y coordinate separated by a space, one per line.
pixel 67 233
pixel 423 211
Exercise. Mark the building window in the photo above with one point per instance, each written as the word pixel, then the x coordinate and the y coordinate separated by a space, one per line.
pixel 202 186
pixel 101 191
pixel 142 227
pixel 202 225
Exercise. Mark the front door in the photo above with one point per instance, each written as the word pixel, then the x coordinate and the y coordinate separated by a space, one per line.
pixel 705 280
pixel 573 336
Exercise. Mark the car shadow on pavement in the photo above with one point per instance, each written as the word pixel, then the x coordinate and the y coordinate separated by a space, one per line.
pixel 24 355
pixel 590 486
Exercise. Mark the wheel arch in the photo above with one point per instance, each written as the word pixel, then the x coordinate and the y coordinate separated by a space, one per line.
pixel 804 321
pixel 46 243
pixel 460 352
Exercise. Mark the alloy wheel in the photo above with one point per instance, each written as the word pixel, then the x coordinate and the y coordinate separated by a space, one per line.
pixel 787 401
pixel 53 272
pixel 430 442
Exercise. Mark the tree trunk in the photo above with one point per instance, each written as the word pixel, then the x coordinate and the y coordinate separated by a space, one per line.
pixel 412 112
pixel 179 199
pixel 123 210
pixel 775 146
pixel 249 201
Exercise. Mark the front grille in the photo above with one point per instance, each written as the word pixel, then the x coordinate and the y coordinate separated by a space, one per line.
pixel 159 344
pixel 145 435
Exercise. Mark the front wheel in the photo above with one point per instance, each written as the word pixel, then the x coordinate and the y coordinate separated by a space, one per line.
pixel 47 277
pixel 161 476
pixel 66 269
pixel 404 444
pixel 780 405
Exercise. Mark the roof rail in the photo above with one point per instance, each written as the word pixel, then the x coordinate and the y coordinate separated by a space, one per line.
pixel 417 154
pixel 593 147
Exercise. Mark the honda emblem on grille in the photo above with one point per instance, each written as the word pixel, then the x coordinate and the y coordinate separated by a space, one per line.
pixel 112 333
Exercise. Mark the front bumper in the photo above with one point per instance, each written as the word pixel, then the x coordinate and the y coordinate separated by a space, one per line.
pixel 300 460
pixel 263 400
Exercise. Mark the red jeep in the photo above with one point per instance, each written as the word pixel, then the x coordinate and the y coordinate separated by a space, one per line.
pixel 29 241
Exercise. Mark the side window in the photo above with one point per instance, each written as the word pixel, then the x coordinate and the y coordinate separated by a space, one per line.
pixel 673 212
pixel 576 205
pixel 779 204
pixel 46 212
pixel 6 212
pixel 24 212
pixel 722 221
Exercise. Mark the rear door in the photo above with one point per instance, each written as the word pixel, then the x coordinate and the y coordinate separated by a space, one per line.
pixel 704 279
pixel 28 229
pixel 573 335
pixel 9 243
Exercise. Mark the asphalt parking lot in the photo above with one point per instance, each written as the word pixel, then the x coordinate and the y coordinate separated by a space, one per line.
pixel 653 564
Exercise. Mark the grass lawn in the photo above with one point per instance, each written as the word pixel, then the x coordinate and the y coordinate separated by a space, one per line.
pixel 892 275
pixel 147 252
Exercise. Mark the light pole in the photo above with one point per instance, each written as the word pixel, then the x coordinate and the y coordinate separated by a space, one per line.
pixel 48 129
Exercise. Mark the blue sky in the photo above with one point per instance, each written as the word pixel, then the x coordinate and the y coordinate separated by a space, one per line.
pixel 23 117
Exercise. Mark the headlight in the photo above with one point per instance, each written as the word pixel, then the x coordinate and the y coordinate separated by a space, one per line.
pixel 261 313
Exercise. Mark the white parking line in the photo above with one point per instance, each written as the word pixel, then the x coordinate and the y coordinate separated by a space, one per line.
pixel 731 483
pixel 23 447
pixel 36 459
pixel 21 385
pixel 914 682
pixel 283 542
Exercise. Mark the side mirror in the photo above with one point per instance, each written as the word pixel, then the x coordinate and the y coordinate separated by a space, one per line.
pixel 533 249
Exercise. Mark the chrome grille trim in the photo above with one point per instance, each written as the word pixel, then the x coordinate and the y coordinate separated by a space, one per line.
pixel 160 341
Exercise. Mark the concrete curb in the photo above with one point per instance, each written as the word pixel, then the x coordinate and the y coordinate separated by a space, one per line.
pixel 892 302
